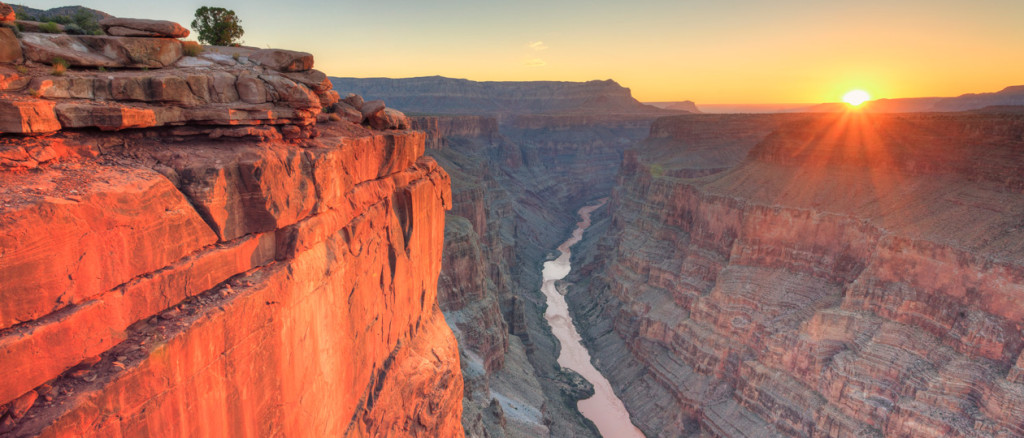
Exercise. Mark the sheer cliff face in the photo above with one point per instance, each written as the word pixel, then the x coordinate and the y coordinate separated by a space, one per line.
pixel 234 275
pixel 855 275
pixel 514 195
pixel 440 95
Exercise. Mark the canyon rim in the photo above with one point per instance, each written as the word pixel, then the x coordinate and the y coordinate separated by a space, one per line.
pixel 226 241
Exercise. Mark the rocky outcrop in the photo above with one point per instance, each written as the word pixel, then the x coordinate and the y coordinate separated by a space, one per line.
pixel 137 27
pixel 440 95
pixel 205 279
pixel 855 275
pixel 212 89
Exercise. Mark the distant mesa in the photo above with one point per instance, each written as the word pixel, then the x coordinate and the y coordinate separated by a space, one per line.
pixel 441 95
pixel 686 105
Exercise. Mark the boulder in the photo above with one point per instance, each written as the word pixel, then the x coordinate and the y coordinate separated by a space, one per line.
pixel 328 98
pixel 372 107
pixel 355 100
pixel 137 27
pixel 10 50
pixel 7 13
pixel 27 117
pixel 388 118
pixel 283 60
pixel 347 112
pixel 101 51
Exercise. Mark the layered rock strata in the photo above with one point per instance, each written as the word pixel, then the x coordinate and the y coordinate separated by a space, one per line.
pixel 854 275
pixel 514 189
pixel 447 96
pixel 238 282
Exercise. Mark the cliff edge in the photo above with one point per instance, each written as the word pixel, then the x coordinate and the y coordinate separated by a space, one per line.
pixel 213 245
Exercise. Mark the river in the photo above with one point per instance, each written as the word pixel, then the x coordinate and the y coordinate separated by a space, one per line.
pixel 604 408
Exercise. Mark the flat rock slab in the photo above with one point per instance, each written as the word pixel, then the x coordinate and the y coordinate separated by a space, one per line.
pixel 137 27
pixel 101 51
pixel 28 116
pixel 283 60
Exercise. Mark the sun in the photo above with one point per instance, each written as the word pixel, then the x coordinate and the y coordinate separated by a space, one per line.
pixel 856 97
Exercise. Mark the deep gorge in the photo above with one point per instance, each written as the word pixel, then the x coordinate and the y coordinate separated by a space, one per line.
pixel 235 244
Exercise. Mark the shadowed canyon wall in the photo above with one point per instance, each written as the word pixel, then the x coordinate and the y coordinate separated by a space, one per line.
pixel 813 275
pixel 229 261
pixel 515 188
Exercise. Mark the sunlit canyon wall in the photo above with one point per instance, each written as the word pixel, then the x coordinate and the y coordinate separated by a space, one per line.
pixel 814 275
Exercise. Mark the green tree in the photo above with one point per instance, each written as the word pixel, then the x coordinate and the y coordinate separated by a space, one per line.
pixel 217 26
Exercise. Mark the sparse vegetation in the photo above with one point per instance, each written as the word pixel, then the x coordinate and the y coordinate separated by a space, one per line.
pixel 35 93
pixel 74 29
pixel 217 26
pixel 657 171
pixel 14 27
pixel 60 66
pixel 191 48
pixel 235 56
pixel 21 69
pixel 86 21
pixel 49 27
pixel 101 68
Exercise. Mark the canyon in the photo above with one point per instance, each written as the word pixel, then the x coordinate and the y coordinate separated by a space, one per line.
pixel 233 243
pixel 521 166
pixel 805 275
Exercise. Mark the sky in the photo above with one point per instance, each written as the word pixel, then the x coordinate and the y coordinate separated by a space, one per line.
pixel 708 51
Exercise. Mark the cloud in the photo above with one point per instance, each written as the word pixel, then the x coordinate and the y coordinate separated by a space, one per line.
pixel 535 62
pixel 537 45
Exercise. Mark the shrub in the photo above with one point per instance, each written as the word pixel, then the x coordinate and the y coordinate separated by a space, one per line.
pixel 87 22
pixel 235 56
pixel 191 48
pixel 217 26
pixel 49 27
pixel 35 93
pixel 74 29
pixel 21 69
pixel 60 66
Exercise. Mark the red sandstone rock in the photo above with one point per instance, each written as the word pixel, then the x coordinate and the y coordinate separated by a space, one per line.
pixel 62 251
pixel 388 118
pixel 283 60
pixel 7 13
pixel 137 27
pixel 372 107
pixel 10 49
pixel 22 404
pixel 385 216
pixel 101 51
pixel 348 113
pixel 27 116
pixel 354 100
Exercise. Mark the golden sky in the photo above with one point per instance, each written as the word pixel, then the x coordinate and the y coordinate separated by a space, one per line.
pixel 708 51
